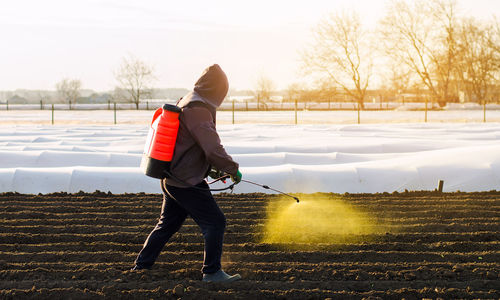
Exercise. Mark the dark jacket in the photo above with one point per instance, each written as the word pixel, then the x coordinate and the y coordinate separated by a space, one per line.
pixel 198 145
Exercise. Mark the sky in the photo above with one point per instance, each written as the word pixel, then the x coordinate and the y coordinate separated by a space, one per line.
pixel 43 42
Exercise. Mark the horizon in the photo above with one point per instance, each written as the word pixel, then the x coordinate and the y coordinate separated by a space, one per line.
pixel 51 40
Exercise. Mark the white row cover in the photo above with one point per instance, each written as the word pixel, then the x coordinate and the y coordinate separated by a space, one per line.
pixel 304 158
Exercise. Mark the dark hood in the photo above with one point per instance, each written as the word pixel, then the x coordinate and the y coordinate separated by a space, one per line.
pixel 192 97
pixel 212 85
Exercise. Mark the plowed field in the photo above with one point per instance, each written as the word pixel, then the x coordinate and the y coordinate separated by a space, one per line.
pixel 81 246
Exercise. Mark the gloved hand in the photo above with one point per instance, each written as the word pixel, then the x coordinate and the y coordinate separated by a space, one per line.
pixel 213 173
pixel 237 178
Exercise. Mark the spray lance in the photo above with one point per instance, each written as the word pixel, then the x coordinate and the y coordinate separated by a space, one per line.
pixel 257 184
pixel 160 145
pixel 270 188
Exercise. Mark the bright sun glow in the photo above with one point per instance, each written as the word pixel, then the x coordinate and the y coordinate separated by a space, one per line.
pixel 44 41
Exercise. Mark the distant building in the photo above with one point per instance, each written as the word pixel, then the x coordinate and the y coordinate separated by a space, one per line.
pixel 95 98
pixel 17 100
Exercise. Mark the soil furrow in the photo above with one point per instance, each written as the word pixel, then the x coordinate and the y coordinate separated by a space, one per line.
pixel 99 228
pixel 270 256
pixel 229 237
pixel 81 246
pixel 463 247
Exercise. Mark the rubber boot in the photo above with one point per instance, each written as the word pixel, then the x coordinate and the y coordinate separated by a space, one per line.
pixel 220 276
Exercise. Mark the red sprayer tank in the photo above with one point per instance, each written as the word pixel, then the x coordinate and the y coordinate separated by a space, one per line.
pixel 160 143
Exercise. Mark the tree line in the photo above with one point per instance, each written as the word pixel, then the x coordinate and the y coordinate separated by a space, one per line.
pixel 422 44
pixel 418 45
pixel 134 77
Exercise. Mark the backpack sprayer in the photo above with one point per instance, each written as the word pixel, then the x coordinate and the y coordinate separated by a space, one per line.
pixel 160 145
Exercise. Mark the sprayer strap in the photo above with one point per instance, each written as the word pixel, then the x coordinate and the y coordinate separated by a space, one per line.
pixel 204 105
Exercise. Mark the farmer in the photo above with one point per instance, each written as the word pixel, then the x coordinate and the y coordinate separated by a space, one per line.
pixel 198 150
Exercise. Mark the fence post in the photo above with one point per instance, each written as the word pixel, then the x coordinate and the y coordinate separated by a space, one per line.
pixel 484 111
pixel 147 105
pixel 7 103
pixel 295 111
pixel 52 113
pixel 426 100
pixel 109 105
pixel 246 102
pixel 359 113
pixel 69 104
pixel 114 109
pixel 440 186
pixel 41 105
pixel 233 111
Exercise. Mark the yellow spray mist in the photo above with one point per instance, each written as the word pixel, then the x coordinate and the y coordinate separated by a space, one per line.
pixel 315 221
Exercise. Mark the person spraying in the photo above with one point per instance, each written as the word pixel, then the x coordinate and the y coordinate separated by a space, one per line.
pixel 198 152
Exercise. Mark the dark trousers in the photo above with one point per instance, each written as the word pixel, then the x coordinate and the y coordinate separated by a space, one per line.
pixel 178 203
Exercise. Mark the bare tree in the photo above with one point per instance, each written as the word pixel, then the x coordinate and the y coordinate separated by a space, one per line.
pixel 398 78
pixel 422 35
pixel 43 97
pixel 446 56
pixel 341 52
pixel 69 90
pixel 294 91
pixel 395 80
pixel 495 44
pixel 135 78
pixel 479 59
pixel 326 90
pixel 264 89
pixel 495 41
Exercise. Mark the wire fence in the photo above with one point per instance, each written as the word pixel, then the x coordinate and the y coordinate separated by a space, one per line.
pixel 232 112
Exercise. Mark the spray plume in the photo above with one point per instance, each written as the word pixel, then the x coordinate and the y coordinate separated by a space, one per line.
pixel 315 221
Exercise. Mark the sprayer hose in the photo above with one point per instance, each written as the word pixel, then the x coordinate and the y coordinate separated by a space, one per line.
pixel 229 187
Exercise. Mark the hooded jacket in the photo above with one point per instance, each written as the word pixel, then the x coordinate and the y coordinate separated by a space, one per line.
pixel 198 145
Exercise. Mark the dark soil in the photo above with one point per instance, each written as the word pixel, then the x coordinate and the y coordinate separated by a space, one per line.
pixel 82 246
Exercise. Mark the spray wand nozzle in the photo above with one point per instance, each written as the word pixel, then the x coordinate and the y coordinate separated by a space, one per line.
pixel 222 178
pixel 270 188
